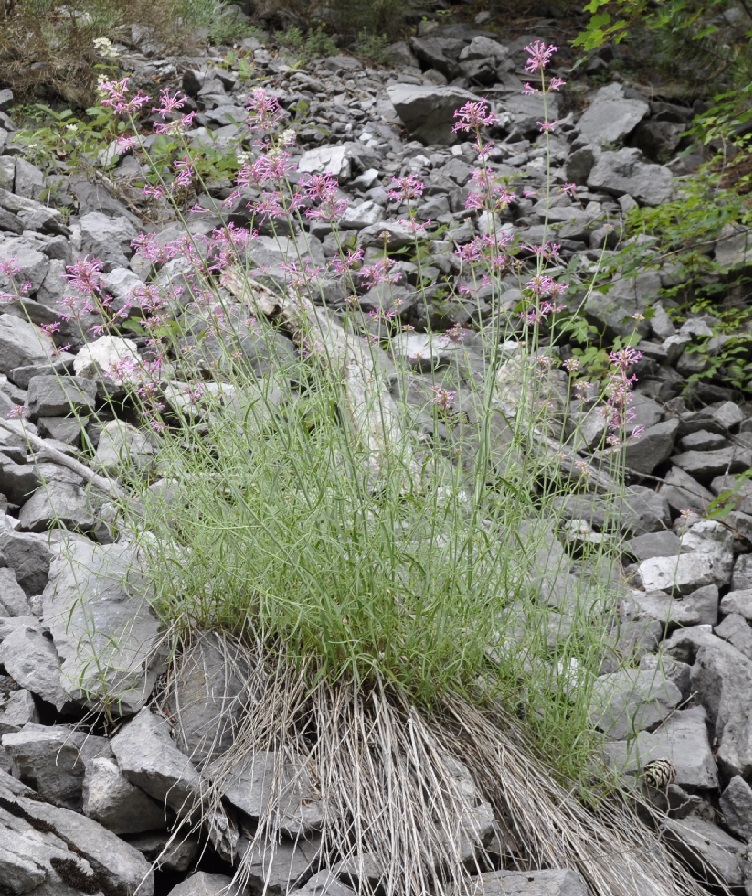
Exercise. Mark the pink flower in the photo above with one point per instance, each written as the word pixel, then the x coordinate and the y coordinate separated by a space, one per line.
pixel 125 143
pixel 543 285
pixel 540 56
pixel 322 190
pixel 156 192
pixel 443 398
pixel 115 95
pixel 168 104
pixel 175 127
pixel 264 111
pixel 85 274
pixel 472 116
pixel 546 127
pixel 378 272
pixel 406 188
pixel 185 170
pixel 272 168
pixel 347 261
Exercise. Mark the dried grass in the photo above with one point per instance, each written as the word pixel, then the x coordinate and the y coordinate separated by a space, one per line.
pixel 403 789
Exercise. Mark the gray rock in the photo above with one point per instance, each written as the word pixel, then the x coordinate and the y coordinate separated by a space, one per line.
pixel 736 631
pixel 728 414
pixel 165 853
pixel 736 805
pixel 615 309
pixel 530 883
pixel 29 180
pixel 56 852
pixel 705 465
pixel 741 579
pixel 19 710
pixel 682 492
pixel 208 698
pixel 734 491
pixel 123 447
pixel 655 544
pixel 639 511
pixel 67 430
pixel 56 396
pixel 722 679
pixel 652 448
pixel 114 802
pixel 332 160
pixel 149 759
pixel 324 884
pixel 624 172
pixel 95 197
pixel 438 53
pixel 738 602
pixel 702 440
pixel 269 254
pixel 625 702
pixel 682 738
pixel 32 214
pixel 10 624
pixel 32 264
pixel 204 884
pixel 101 357
pixel 276 868
pixel 428 112
pixel 708 560
pixel 53 759
pixel 715 856
pixel 484 59
pixel 673 669
pixel 97 611
pixel 107 238
pixel 521 113
pixel 31 659
pixel 265 779
pixel 57 504
pixel 611 116
pixel 734 246
pixel 579 165
pixel 364 214
pixel 21 344
pixel 19 481
pixel 700 607
pixel 13 601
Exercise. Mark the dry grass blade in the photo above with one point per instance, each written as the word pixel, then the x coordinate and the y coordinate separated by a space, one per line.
pixel 407 795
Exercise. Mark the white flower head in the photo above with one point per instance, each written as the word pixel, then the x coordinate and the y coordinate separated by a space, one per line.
pixel 103 46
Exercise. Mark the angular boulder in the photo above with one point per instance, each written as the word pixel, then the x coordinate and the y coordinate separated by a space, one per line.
pixel 428 112
pixel 97 610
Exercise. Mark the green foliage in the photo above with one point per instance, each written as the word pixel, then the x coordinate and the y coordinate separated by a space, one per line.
pixel 215 165
pixel 47 49
pixel 227 28
pixel 62 140
pixel 691 42
pixel 240 62
pixel 312 44
pixel 679 238
pixel 372 47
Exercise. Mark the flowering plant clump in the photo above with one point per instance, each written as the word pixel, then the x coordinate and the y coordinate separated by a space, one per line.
pixel 350 449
